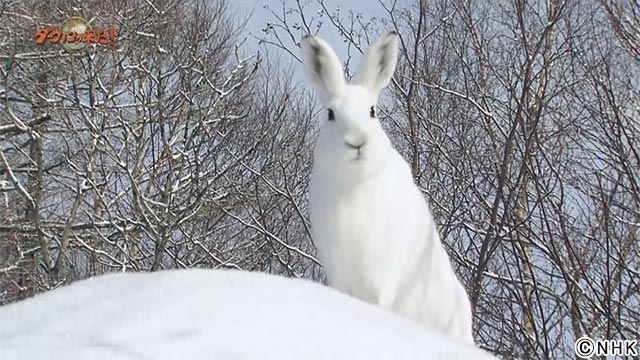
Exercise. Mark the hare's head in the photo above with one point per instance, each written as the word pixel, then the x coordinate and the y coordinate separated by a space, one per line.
pixel 351 140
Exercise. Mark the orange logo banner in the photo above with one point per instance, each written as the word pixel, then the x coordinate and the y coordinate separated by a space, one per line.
pixel 75 34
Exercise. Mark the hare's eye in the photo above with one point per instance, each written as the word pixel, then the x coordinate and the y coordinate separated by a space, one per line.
pixel 331 117
pixel 372 112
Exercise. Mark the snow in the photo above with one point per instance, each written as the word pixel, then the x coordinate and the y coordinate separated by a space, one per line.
pixel 211 314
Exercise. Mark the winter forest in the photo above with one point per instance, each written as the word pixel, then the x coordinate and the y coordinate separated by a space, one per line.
pixel 188 144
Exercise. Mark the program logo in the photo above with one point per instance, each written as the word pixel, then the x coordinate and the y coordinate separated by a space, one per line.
pixel 75 34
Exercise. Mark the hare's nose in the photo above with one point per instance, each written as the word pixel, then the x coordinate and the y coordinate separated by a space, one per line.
pixel 355 139
pixel 354 146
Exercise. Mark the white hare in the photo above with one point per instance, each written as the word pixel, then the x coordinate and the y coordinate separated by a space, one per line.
pixel 371 225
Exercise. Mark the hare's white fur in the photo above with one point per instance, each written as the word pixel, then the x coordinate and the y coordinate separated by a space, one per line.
pixel 372 227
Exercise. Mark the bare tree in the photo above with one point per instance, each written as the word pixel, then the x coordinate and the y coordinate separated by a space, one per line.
pixel 625 20
pixel 175 147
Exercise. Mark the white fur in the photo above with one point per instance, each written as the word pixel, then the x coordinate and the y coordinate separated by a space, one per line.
pixel 371 225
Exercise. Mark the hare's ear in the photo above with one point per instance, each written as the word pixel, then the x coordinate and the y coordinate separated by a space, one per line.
pixel 322 68
pixel 378 64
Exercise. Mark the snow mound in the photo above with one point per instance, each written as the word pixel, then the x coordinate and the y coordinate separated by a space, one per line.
pixel 211 314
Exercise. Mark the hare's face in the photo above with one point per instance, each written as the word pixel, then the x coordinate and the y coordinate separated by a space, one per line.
pixel 351 142
pixel 351 136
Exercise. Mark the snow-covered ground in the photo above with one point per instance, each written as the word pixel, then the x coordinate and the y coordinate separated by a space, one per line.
pixel 211 314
